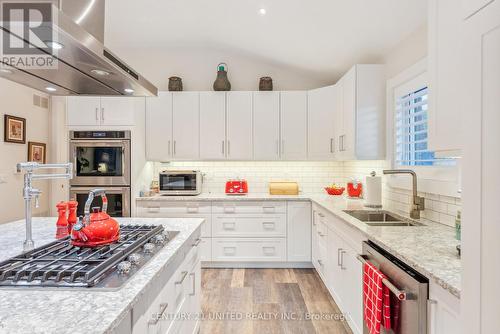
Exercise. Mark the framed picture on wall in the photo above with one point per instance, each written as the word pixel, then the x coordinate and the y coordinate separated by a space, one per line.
pixel 14 129
pixel 37 152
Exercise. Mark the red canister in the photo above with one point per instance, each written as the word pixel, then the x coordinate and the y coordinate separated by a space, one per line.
pixel 72 218
pixel 62 221
pixel 354 189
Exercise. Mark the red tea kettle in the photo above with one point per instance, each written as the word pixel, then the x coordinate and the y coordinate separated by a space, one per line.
pixel 96 228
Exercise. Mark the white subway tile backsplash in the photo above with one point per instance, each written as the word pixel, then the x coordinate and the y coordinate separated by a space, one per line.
pixel 312 177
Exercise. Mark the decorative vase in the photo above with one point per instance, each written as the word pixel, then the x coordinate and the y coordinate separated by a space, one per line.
pixel 222 83
pixel 175 84
pixel 266 84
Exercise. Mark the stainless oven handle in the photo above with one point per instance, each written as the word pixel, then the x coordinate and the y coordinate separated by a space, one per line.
pixel 400 294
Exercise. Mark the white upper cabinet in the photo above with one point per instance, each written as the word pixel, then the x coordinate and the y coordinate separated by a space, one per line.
pixel 293 108
pixel 470 7
pixel 361 119
pixel 266 126
pixel 97 111
pixel 159 127
pixel 120 110
pixel 212 125
pixel 239 125
pixel 446 86
pixel 83 111
pixel 186 125
pixel 321 123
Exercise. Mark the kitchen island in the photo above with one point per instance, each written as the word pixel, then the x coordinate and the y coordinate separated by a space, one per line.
pixel 91 310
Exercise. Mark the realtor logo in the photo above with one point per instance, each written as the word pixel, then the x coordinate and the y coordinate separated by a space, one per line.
pixel 28 36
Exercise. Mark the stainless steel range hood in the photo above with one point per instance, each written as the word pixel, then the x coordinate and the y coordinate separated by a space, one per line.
pixel 84 65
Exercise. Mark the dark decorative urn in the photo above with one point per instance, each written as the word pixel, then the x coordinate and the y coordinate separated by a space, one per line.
pixel 175 84
pixel 266 84
pixel 222 83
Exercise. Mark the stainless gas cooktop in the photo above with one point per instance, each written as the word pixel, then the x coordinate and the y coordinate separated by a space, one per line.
pixel 60 264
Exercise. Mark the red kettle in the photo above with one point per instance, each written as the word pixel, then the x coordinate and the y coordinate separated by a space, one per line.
pixel 96 228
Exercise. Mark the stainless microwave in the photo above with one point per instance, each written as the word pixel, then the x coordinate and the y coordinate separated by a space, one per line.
pixel 180 183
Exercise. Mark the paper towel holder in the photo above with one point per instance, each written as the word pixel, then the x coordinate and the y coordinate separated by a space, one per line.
pixel 373 206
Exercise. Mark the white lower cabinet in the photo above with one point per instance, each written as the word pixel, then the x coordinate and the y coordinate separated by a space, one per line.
pixel 175 308
pixel 443 311
pixel 182 209
pixel 299 229
pixel 249 249
pixel 334 257
pixel 244 233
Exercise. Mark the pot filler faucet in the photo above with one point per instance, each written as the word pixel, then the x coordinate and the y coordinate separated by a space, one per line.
pixel 418 203
pixel 30 193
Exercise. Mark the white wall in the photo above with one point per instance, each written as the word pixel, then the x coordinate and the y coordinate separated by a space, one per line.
pixel 407 52
pixel 17 100
pixel 198 69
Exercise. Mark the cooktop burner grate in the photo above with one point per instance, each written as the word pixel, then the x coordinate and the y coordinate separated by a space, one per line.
pixel 60 264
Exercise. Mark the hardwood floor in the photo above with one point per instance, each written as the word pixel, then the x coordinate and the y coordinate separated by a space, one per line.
pixel 268 301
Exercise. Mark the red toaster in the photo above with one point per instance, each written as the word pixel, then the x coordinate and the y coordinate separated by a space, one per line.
pixel 236 187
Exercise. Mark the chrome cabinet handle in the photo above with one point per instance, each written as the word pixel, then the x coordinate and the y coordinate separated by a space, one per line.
pixel 102 114
pixel 320 262
pixel 338 256
pixel 228 148
pixel 96 114
pixel 196 242
pixel 169 147
pixel 184 274
pixel 175 147
pixel 223 147
pixel 342 252
pixel 321 215
pixel 193 275
pixel 159 315
pixel 269 250
pixel 331 145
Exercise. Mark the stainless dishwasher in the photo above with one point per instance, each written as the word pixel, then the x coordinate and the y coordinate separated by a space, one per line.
pixel 409 287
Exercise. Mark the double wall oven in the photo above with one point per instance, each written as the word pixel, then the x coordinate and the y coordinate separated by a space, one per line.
pixel 101 160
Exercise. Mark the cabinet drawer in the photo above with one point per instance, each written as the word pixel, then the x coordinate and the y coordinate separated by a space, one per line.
pixel 157 212
pixel 267 207
pixel 249 226
pixel 175 207
pixel 247 249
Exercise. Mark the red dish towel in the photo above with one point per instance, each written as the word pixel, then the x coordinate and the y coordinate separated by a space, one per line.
pixel 376 299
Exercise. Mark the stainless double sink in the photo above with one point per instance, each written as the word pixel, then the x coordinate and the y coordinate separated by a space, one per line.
pixel 381 218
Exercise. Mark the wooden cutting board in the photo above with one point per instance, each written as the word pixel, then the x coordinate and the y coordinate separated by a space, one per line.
pixel 283 188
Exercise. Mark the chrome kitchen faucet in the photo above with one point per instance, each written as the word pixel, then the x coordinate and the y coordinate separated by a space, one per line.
pixel 29 192
pixel 418 203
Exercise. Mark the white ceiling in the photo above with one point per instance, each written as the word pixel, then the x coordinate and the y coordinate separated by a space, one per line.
pixel 317 39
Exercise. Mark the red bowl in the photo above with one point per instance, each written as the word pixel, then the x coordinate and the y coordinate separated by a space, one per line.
pixel 335 191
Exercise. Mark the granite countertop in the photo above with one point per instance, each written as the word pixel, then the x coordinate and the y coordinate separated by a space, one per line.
pixel 80 310
pixel 224 197
pixel 429 249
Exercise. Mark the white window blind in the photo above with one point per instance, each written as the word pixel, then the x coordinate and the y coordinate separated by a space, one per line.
pixel 412 131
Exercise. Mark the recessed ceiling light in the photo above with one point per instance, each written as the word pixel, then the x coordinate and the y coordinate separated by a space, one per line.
pixel 262 11
pixel 50 89
pixel 54 45
pixel 5 71
pixel 100 72
pixel 128 90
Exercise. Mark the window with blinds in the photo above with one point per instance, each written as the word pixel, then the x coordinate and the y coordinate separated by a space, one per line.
pixel 412 132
